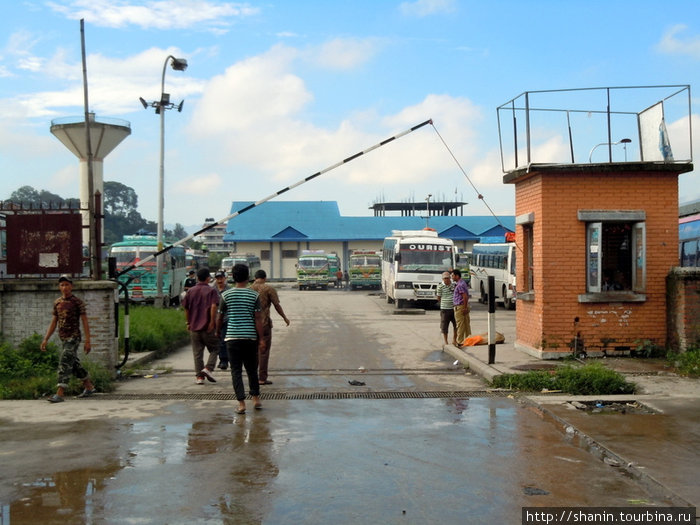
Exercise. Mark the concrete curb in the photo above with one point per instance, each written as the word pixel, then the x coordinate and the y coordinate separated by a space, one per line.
pixel 604 453
pixel 140 358
pixel 477 366
pixel 584 440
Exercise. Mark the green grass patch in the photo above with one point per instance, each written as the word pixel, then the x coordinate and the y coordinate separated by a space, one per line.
pixel 28 373
pixel 590 379
pixel 687 363
pixel 160 329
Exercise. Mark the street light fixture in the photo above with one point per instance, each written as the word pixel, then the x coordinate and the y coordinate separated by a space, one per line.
pixel 621 141
pixel 178 64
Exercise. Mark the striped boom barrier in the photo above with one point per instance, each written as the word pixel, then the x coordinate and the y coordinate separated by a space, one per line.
pixel 280 192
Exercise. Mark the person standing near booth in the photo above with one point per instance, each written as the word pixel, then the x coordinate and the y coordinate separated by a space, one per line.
pixel 460 299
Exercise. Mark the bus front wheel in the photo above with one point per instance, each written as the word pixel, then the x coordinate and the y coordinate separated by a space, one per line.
pixel 483 296
pixel 508 303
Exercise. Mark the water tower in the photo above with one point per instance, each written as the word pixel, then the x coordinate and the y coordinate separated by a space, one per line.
pixel 105 135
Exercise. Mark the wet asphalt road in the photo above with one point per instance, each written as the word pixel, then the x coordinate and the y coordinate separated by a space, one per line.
pixel 469 459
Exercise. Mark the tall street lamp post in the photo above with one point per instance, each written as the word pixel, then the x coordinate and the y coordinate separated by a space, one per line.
pixel 178 64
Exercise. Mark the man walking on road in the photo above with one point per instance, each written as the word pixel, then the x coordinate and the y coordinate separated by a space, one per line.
pixel 268 296
pixel 220 285
pixel 240 307
pixel 200 304
pixel 461 302
pixel 68 313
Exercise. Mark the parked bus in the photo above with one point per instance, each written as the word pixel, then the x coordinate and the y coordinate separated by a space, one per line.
pixel 412 265
pixel 195 260
pixel 313 270
pixel 689 240
pixel 143 286
pixel 497 260
pixel 250 260
pixel 333 268
pixel 365 269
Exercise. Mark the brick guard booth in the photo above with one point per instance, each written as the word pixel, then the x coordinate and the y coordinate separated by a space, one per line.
pixel 596 237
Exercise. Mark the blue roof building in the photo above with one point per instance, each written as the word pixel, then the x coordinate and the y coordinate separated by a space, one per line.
pixel 278 231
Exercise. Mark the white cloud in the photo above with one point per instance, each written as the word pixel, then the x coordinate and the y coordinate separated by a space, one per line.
pixel 205 184
pixel 345 53
pixel 158 14
pixel 254 120
pixel 671 43
pixel 421 8
pixel 20 43
pixel 114 85
pixel 253 94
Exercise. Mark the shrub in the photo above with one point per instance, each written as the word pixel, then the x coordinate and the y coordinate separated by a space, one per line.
pixel 687 363
pixel 28 373
pixel 590 379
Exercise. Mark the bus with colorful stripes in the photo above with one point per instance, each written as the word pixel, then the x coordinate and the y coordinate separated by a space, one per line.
pixel 143 284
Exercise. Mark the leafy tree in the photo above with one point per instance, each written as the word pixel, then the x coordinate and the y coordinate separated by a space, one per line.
pixel 121 215
pixel 119 200
pixel 215 259
pixel 179 232
pixel 25 194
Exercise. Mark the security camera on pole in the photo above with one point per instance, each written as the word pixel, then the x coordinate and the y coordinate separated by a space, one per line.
pixel 178 64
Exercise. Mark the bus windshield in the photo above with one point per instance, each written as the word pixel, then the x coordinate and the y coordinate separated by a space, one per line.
pixel 425 257
pixel 130 254
pixel 358 260
pixel 313 262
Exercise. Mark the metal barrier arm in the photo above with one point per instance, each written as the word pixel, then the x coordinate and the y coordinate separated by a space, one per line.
pixel 270 197
pixel 125 288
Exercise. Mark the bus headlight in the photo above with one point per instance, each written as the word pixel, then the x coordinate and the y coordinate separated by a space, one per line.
pixel 403 285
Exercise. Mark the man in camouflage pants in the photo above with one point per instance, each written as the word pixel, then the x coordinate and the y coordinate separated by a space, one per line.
pixel 68 312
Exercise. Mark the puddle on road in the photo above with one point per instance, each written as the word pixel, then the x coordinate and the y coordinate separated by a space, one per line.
pixel 439 356
pixel 612 407
pixel 199 462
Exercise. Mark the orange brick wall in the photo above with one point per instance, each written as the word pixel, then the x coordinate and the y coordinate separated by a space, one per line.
pixel 683 315
pixel 548 324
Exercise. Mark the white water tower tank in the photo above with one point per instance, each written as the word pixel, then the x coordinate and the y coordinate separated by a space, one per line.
pixel 105 135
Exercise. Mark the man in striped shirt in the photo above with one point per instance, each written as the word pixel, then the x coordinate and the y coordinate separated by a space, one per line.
pixel 240 306
pixel 445 292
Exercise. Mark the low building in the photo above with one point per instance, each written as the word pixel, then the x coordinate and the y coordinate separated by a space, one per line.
pixel 213 238
pixel 278 231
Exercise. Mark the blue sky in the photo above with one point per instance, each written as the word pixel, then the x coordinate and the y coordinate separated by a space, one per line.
pixel 276 91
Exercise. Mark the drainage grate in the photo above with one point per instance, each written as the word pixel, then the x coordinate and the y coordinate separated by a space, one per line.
pixel 224 396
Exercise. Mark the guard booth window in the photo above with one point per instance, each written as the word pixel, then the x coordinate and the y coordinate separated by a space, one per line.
pixel 616 256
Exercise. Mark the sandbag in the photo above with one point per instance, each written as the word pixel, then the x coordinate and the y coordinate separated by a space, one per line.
pixel 483 339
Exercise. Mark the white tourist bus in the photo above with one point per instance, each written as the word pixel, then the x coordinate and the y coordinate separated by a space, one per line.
pixel 497 260
pixel 412 265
